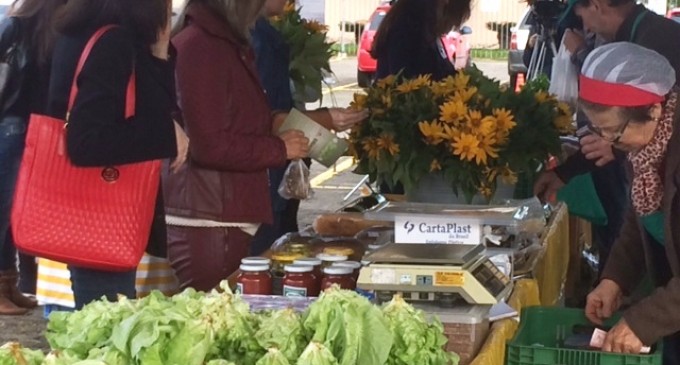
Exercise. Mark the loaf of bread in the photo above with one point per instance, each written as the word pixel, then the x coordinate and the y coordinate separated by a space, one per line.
pixel 344 224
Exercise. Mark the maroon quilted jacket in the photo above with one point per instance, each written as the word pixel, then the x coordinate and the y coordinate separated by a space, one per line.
pixel 229 125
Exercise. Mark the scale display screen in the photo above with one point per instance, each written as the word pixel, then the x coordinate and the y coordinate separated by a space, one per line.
pixel 491 277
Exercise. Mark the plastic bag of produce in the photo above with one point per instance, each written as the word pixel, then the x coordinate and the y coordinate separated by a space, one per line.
pixel 296 184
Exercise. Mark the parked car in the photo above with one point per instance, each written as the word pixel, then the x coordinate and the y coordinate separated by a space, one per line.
pixel 518 41
pixel 456 43
pixel 674 14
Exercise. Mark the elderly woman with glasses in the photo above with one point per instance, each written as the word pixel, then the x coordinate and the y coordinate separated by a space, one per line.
pixel 628 93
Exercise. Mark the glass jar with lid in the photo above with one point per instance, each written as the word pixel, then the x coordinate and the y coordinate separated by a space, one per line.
pixel 341 276
pixel 314 262
pixel 354 265
pixel 300 281
pixel 256 260
pixel 328 259
pixel 254 279
pixel 281 259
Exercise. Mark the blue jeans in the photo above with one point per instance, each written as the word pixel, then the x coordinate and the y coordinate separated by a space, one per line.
pixel 90 285
pixel 12 139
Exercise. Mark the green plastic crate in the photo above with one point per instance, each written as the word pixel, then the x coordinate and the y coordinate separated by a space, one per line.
pixel 540 330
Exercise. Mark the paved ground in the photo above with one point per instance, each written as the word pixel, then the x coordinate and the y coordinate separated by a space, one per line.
pixel 331 186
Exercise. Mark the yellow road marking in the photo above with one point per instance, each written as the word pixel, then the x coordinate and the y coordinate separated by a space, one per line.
pixel 332 172
pixel 327 91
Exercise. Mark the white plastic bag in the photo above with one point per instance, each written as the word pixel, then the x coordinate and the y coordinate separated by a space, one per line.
pixel 564 77
pixel 295 183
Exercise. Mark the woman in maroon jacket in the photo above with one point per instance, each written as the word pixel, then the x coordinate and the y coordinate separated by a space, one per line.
pixel 216 203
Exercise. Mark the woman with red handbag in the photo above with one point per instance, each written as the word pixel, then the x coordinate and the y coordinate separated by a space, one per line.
pixel 99 133
pixel 26 40
pixel 216 203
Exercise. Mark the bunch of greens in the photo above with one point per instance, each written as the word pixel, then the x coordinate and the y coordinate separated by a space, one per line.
pixel 317 354
pixel 273 357
pixel 416 341
pixel 12 353
pixel 282 330
pixel 354 330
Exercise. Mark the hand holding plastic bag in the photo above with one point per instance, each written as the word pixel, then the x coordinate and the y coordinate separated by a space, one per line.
pixel 564 77
pixel 296 184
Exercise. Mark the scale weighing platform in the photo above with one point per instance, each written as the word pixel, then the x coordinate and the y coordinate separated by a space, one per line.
pixel 440 273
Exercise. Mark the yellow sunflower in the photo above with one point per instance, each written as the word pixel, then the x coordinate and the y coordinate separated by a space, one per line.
pixel 479 124
pixel 440 89
pixel 386 82
pixel 465 95
pixel 564 108
pixel 452 112
pixel 370 145
pixel 359 102
pixel 564 123
pixel 507 175
pixel 486 148
pixel 461 81
pixel 435 166
pixel 542 97
pixel 386 142
pixel 414 84
pixel 505 121
pixel 485 191
pixel 314 26
pixel 451 133
pixel 387 100
pixel 432 131
pixel 466 146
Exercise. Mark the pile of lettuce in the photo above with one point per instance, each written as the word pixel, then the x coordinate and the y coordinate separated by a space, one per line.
pixel 192 328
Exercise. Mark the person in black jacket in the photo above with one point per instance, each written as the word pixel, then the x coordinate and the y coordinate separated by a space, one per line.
pixel 26 41
pixel 98 132
pixel 409 38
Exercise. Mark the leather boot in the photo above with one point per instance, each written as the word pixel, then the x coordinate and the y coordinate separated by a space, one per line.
pixel 15 295
pixel 7 306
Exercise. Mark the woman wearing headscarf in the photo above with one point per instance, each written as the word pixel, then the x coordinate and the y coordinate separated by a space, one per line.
pixel 628 94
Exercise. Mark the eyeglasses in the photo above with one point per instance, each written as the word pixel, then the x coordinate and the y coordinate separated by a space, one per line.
pixel 614 138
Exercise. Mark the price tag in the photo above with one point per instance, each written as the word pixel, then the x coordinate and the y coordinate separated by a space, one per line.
pixel 436 229
pixel 449 278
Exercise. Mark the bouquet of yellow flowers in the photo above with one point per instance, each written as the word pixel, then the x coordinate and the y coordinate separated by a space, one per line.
pixel 310 52
pixel 467 128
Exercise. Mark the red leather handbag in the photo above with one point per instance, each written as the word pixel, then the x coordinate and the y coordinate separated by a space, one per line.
pixel 96 217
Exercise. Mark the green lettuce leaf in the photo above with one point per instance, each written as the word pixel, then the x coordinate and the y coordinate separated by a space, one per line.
pixel 13 353
pixel 317 354
pixel 416 341
pixel 273 357
pixel 282 330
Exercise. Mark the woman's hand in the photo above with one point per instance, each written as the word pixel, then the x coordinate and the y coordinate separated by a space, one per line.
pixel 162 45
pixel 297 145
pixel 344 119
pixel 574 41
pixel 597 149
pixel 603 301
pixel 182 148
pixel 621 339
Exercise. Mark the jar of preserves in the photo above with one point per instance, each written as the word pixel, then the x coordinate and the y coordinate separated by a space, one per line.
pixel 354 265
pixel 256 260
pixel 280 260
pixel 314 262
pixel 340 251
pixel 328 259
pixel 342 276
pixel 300 281
pixel 254 279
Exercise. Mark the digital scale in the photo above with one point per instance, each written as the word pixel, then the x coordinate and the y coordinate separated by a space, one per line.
pixel 440 273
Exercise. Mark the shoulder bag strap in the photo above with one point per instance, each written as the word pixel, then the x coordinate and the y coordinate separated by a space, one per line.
pixel 130 95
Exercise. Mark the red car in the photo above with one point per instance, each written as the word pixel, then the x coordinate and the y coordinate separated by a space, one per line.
pixel 457 46
pixel 674 14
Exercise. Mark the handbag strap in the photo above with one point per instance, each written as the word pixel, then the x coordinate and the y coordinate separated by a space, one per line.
pixel 130 94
